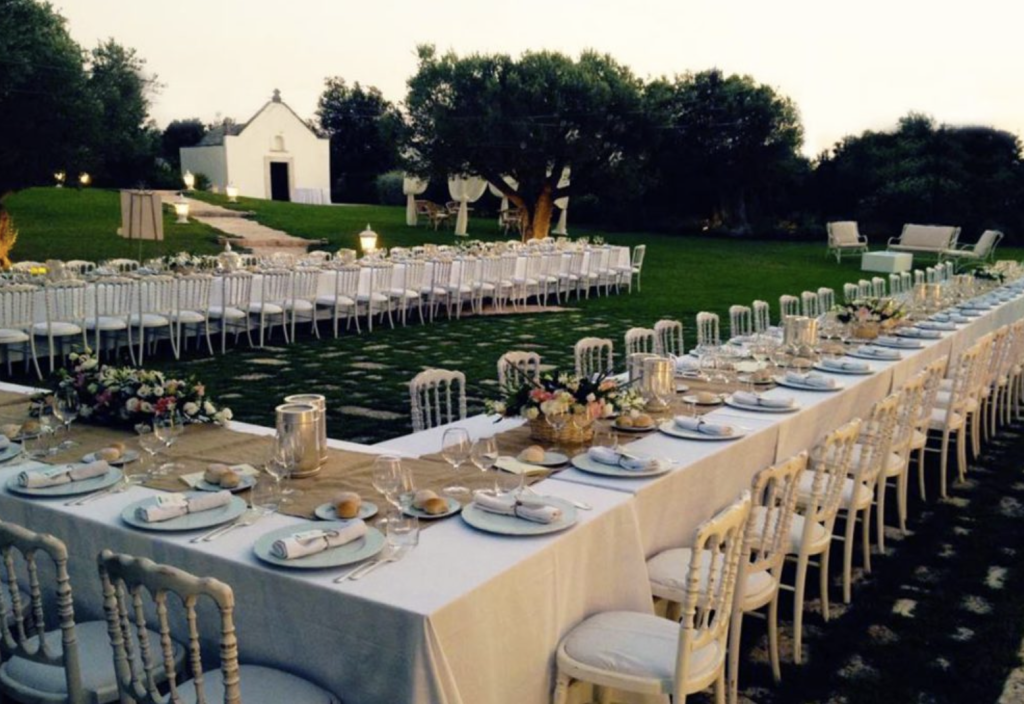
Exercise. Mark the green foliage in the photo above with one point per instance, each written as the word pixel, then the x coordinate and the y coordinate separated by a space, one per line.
pixel 492 115
pixel 178 134
pixel 363 128
pixel 68 223
pixel 922 172
pixel 389 188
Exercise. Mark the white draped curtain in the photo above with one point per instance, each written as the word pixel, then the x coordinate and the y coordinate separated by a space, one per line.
pixel 412 187
pixel 465 190
pixel 496 192
pixel 563 205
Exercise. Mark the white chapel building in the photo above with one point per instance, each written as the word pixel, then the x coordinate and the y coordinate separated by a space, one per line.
pixel 275 155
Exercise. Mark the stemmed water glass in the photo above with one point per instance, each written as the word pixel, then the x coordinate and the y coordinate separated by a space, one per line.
pixel 455 449
pixel 278 463
pixel 66 405
pixel 168 427
pixel 484 454
pixel 150 444
pixel 557 417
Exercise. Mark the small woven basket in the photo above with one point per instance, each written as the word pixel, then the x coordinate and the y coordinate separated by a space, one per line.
pixel 541 431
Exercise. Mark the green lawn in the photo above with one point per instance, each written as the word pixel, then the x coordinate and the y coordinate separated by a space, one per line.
pixel 68 223
pixel 364 376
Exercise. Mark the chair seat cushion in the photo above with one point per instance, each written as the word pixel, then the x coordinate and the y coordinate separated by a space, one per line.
pixel 149 320
pixel 9 336
pixel 939 419
pixel 893 465
pixel 375 297
pixel 464 288
pixel 105 322
pixel 818 539
pixel 403 293
pixel 299 304
pixel 259 685
pixel 331 301
pixel 96 659
pixel 57 329
pixel 268 308
pixel 638 645
pixel 229 313
pixel 669 570
pixel 189 316
pixel 863 494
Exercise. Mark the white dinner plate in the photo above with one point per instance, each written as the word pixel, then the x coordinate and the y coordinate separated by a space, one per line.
pixel 920 334
pixel 453 508
pixel 692 398
pixel 729 401
pixel 834 370
pixel 583 463
pixel 857 354
pixel 670 428
pixel 247 481
pixel 10 452
pixel 190 521
pixel 682 388
pixel 906 343
pixel 551 459
pixel 510 525
pixel 85 486
pixel 631 429
pixel 360 549
pixel 782 381
pixel 128 457
pixel 326 512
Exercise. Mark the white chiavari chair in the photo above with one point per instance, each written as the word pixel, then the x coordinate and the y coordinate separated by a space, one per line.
pixel 569 266
pixel 342 302
pixel 301 301
pixel 73 663
pixel 707 329
pixel 636 267
pixel 460 290
pixel 435 290
pixel 864 288
pixel 811 532
pixel 931 275
pixel 113 302
pixel 529 283
pixel 17 316
pixel 826 299
pixel 809 304
pixel 950 419
pixel 154 311
pixel 897 467
pixel 919 277
pixel 663 656
pixel 485 284
pixel 593 355
pixel 232 310
pixel 895 284
pixel 138 653
pixel 79 267
pixel 878 287
pixel 437 397
pixel 406 293
pixel 906 281
pixel 65 316
pixel 788 305
pixel 741 321
pixel 934 373
pixel 762 316
pixel 669 338
pixel 193 308
pixel 550 269
pixel 122 266
pixel 517 367
pixel 274 291
pixel 375 301
pixel 851 292
pixel 641 340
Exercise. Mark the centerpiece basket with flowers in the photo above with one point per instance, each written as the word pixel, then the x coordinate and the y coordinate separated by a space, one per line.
pixel 868 317
pixel 126 396
pixel 578 401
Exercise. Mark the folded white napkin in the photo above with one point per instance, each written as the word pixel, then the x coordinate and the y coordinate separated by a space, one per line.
pixel 880 352
pixel 5 442
pixel 746 398
pixel 687 364
pixel 896 341
pixel 526 507
pixel 604 455
pixel 810 379
pixel 919 333
pixel 311 542
pixel 174 505
pixel 845 365
pixel 699 426
pixel 514 466
pixel 936 325
pixel 40 478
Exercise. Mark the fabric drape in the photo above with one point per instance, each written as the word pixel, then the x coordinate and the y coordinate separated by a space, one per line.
pixel 465 190
pixel 412 187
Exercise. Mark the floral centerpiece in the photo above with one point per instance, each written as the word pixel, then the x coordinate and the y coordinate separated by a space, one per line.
pixel 568 396
pixel 990 273
pixel 127 396
pixel 868 316
pixel 184 262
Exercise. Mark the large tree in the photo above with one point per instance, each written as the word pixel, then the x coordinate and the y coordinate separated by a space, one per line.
pixel 364 129
pixel 178 134
pixel 46 111
pixel 723 143
pixel 529 118
pixel 126 142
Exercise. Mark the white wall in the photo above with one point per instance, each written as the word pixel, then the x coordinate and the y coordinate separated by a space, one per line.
pixel 206 160
pixel 249 154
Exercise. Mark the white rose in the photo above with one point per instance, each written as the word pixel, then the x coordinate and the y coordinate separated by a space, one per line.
pixel 132 405
pixel 531 413
pixel 89 364
pixel 158 391
pixel 208 408
pixel 191 408
pixel 608 410
pixel 591 398
pixel 146 407
pixel 500 408
pixel 144 390
pixel 224 415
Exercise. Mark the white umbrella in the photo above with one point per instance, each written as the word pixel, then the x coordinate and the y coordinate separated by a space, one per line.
pixel 465 190
pixel 412 187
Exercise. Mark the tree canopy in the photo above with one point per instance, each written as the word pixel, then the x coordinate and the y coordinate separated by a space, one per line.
pixel 180 133
pixel 364 130
pixel 529 118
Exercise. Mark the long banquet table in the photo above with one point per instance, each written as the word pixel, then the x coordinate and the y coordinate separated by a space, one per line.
pixel 469 617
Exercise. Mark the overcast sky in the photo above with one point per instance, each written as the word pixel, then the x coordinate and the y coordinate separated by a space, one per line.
pixel 849 66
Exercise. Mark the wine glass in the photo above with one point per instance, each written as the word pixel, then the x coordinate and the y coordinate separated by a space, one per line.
pixel 484 454
pixel 66 405
pixel 557 417
pixel 286 454
pixel 455 449
pixel 150 444
pixel 387 479
pixel 168 427
pixel 276 464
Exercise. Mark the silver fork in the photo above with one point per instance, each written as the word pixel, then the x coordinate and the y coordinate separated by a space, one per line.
pixel 581 505
pixel 246 519
pixel 352 573
pixel 118 488
pixel 394 556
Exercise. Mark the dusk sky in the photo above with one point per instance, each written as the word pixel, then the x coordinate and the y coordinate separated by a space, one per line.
pixel 848 66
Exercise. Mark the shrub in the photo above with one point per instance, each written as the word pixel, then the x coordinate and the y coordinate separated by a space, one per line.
pixel 389 188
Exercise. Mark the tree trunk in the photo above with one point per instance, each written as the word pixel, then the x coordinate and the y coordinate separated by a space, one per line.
pixel 539 224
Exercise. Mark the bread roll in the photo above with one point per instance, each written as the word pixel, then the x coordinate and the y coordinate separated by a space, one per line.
pixel 625 422
pixel 643 421
pixel 348 509
pixel 215 472
pixel 110 454
pixel 707 397
pixel 420 499
pixel 230 479
pixel 11 430
pixel 118 446
pixel 435 506
pixel 534 453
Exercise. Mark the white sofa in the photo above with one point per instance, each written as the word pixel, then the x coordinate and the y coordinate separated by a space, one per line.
pixel 925 239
